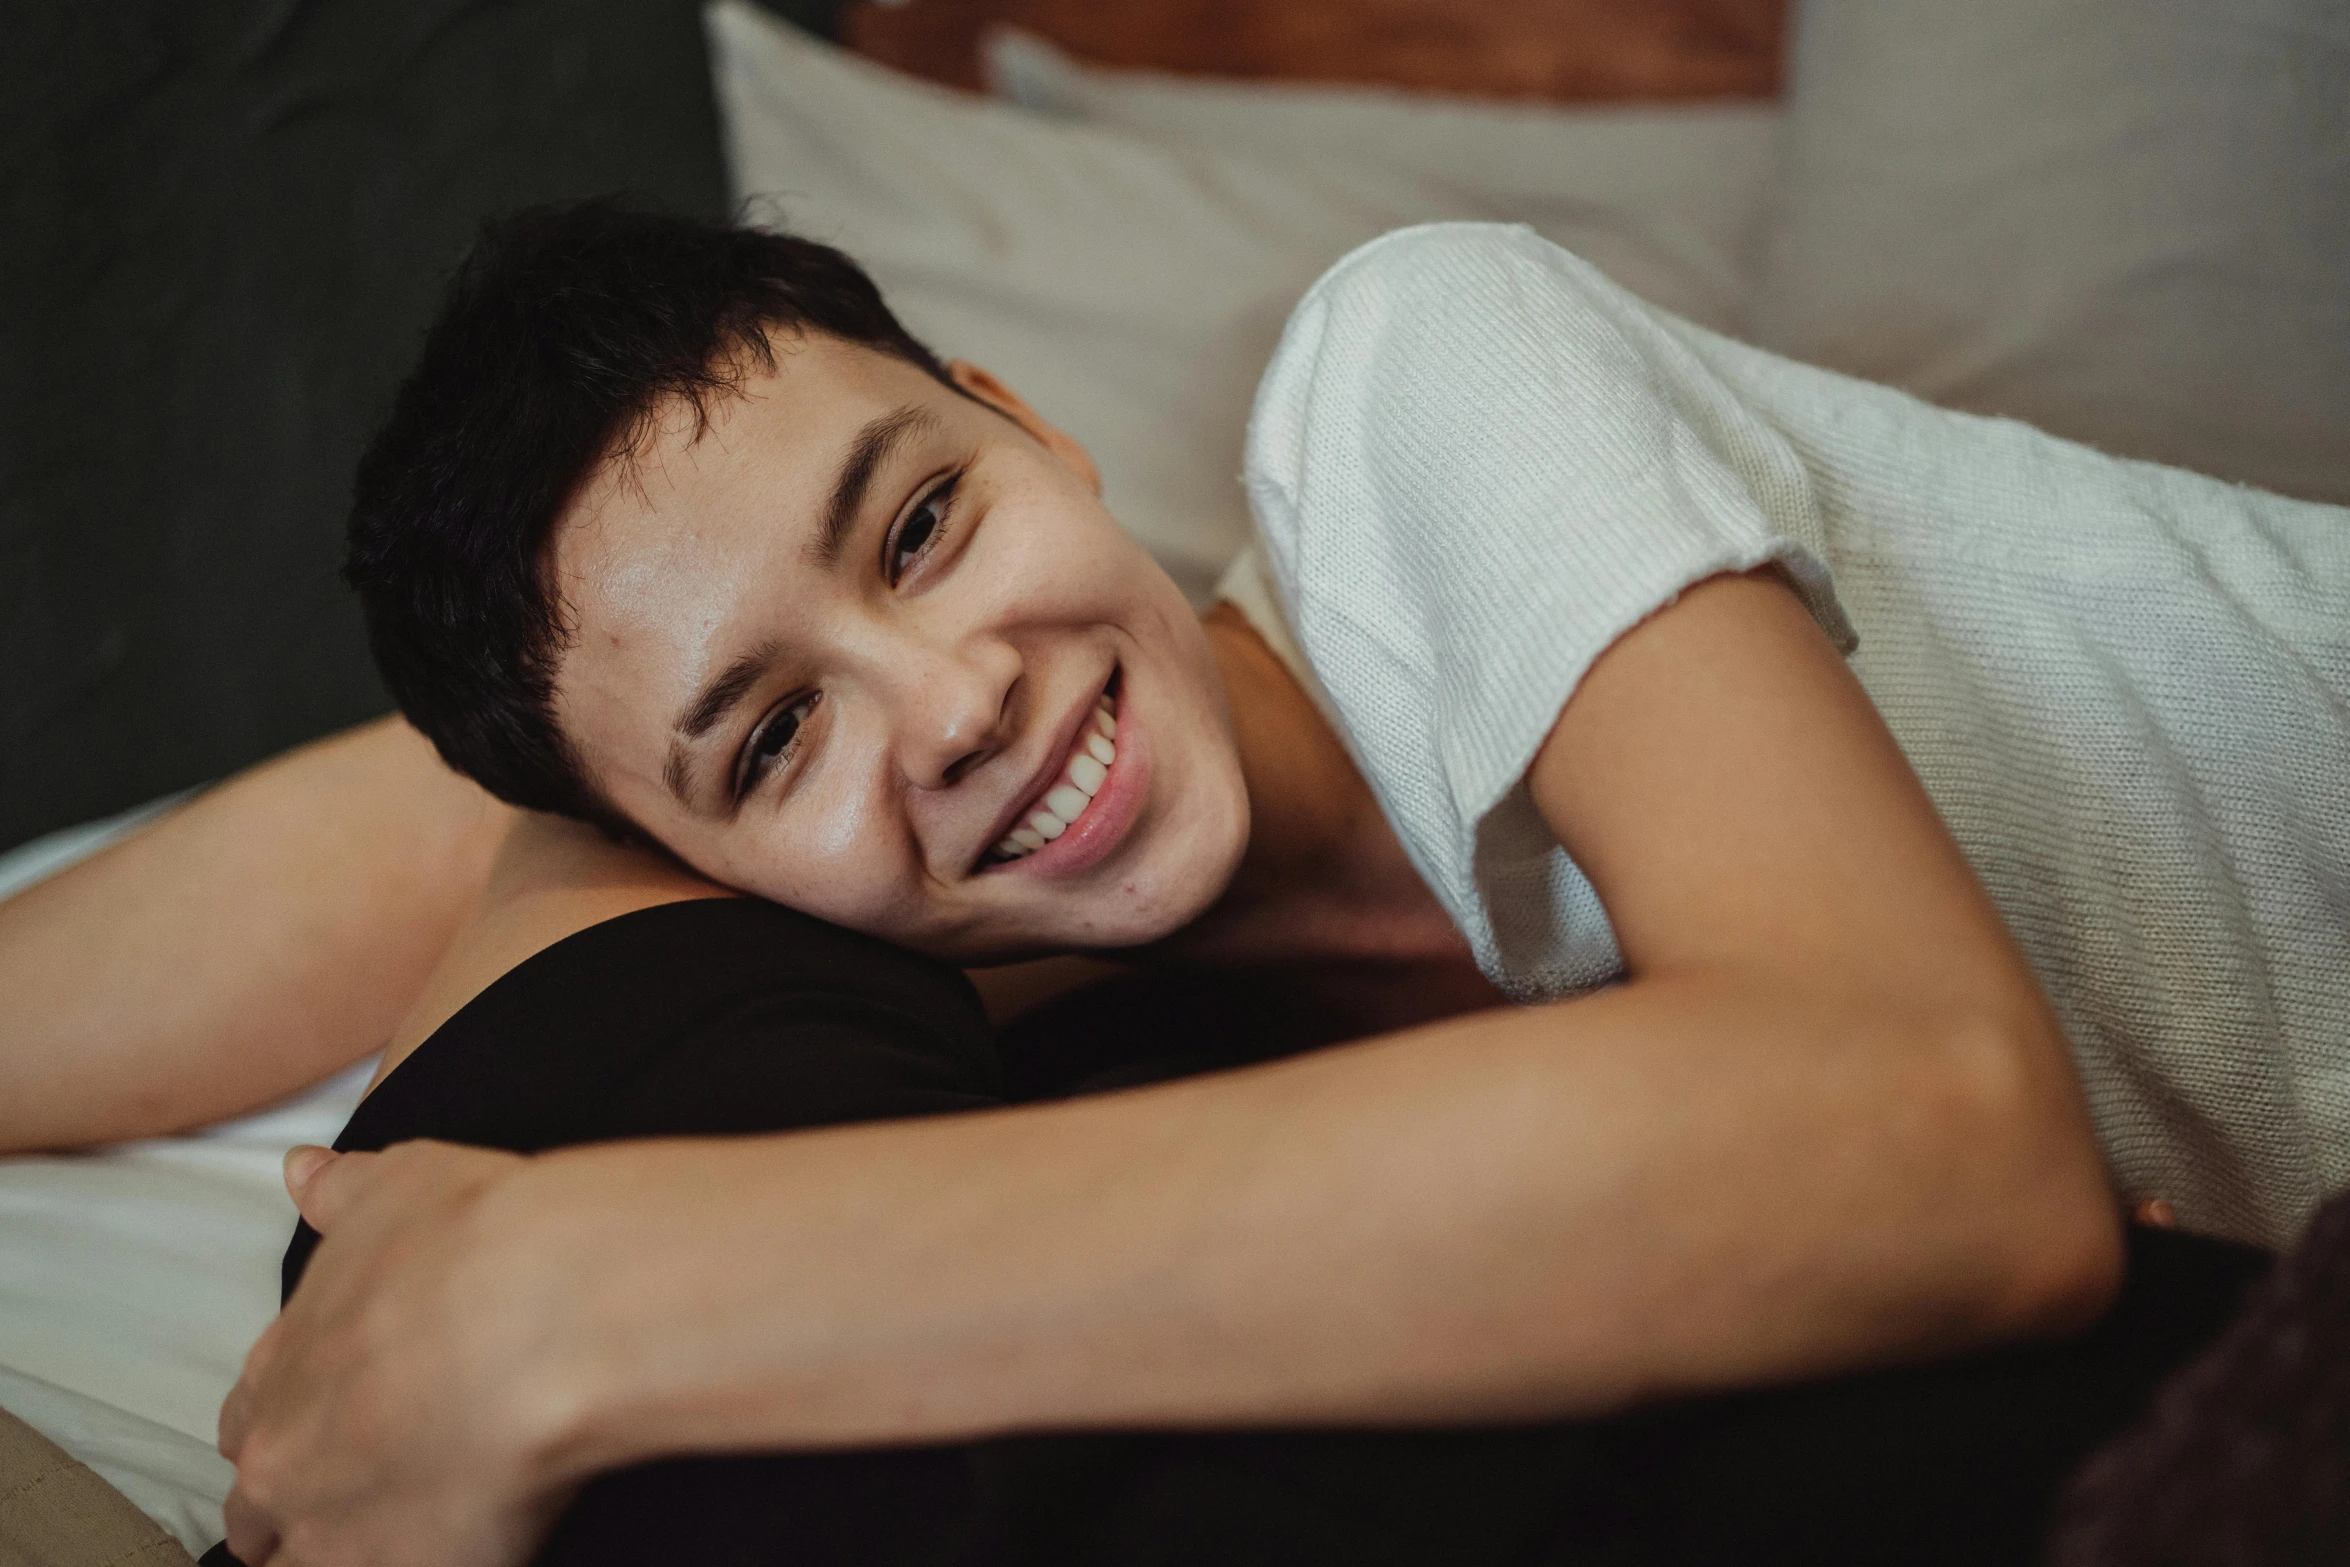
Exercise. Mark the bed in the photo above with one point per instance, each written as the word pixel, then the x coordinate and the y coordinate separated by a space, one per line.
pixel 1122 241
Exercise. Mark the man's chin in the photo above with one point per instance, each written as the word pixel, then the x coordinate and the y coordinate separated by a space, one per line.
pixel 1131 915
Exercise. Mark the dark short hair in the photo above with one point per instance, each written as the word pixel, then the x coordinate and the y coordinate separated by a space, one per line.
pixel 563 335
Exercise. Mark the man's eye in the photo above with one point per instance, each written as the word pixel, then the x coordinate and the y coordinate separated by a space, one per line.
pixel 922 528
pixel 774 741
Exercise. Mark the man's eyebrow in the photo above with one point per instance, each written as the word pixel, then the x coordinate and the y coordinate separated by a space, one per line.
pixel 714 701
pixel 867 453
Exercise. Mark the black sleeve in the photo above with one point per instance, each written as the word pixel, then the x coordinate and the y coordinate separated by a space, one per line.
pixel 713 1017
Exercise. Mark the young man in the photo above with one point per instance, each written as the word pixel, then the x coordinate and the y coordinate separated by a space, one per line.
pixel 676 532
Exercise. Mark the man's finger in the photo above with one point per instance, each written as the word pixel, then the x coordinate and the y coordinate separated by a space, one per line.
pixel 321 1182
pixel 236 1418
pixel 303 1162
pixel 252 1538
pixel 236 1410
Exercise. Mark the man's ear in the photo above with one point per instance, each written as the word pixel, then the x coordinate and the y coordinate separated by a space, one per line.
pixel 1007 402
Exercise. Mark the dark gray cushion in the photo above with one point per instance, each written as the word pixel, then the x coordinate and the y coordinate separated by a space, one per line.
pixel 226 226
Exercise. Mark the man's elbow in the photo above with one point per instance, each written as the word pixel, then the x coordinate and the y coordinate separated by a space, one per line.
pixel 2072 1270
pixel 2054 1232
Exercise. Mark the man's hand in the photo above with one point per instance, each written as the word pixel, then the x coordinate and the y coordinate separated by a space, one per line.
pixel 385 1416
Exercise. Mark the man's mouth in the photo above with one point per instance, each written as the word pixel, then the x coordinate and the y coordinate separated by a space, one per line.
pixel 1060 806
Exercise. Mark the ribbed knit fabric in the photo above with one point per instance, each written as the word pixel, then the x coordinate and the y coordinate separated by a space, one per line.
pixel 1475 462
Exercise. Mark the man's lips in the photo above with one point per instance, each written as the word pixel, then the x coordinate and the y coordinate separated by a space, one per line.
pixel 1053 799
pixel 1105 821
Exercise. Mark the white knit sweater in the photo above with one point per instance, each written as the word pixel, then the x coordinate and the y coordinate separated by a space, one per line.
pixel 1475 462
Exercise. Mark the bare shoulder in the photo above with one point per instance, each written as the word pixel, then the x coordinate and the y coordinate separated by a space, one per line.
pixel 552 878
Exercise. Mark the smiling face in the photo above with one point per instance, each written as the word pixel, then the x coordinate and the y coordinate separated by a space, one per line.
pixel 845 648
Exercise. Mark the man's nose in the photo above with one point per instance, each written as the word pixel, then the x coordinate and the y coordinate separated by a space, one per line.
pixel 956 707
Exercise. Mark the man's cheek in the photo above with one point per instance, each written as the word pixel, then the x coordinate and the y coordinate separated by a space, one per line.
pixel 847 867
pixel 839 826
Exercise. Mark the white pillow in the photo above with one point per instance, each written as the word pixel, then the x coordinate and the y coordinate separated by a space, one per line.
pixel 1671 200
pixel 1132 284
pixel 2126 221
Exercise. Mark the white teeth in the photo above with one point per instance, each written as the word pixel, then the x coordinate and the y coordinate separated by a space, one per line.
pixel 1089 766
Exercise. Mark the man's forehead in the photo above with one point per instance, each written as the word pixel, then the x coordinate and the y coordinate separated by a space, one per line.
pixel 706 487
pixel 788 420
pixel 651 597
pixel 659 557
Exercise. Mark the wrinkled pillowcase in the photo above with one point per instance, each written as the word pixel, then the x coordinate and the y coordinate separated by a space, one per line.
pixel 2125 221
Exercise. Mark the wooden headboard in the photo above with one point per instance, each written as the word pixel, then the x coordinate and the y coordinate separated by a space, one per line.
pixel 1552 49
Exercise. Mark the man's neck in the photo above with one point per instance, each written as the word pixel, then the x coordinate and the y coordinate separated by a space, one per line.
pixel 1325 886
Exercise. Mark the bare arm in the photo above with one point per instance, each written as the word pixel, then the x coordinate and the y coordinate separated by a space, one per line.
pixel 1827 1120
pixel 265 935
